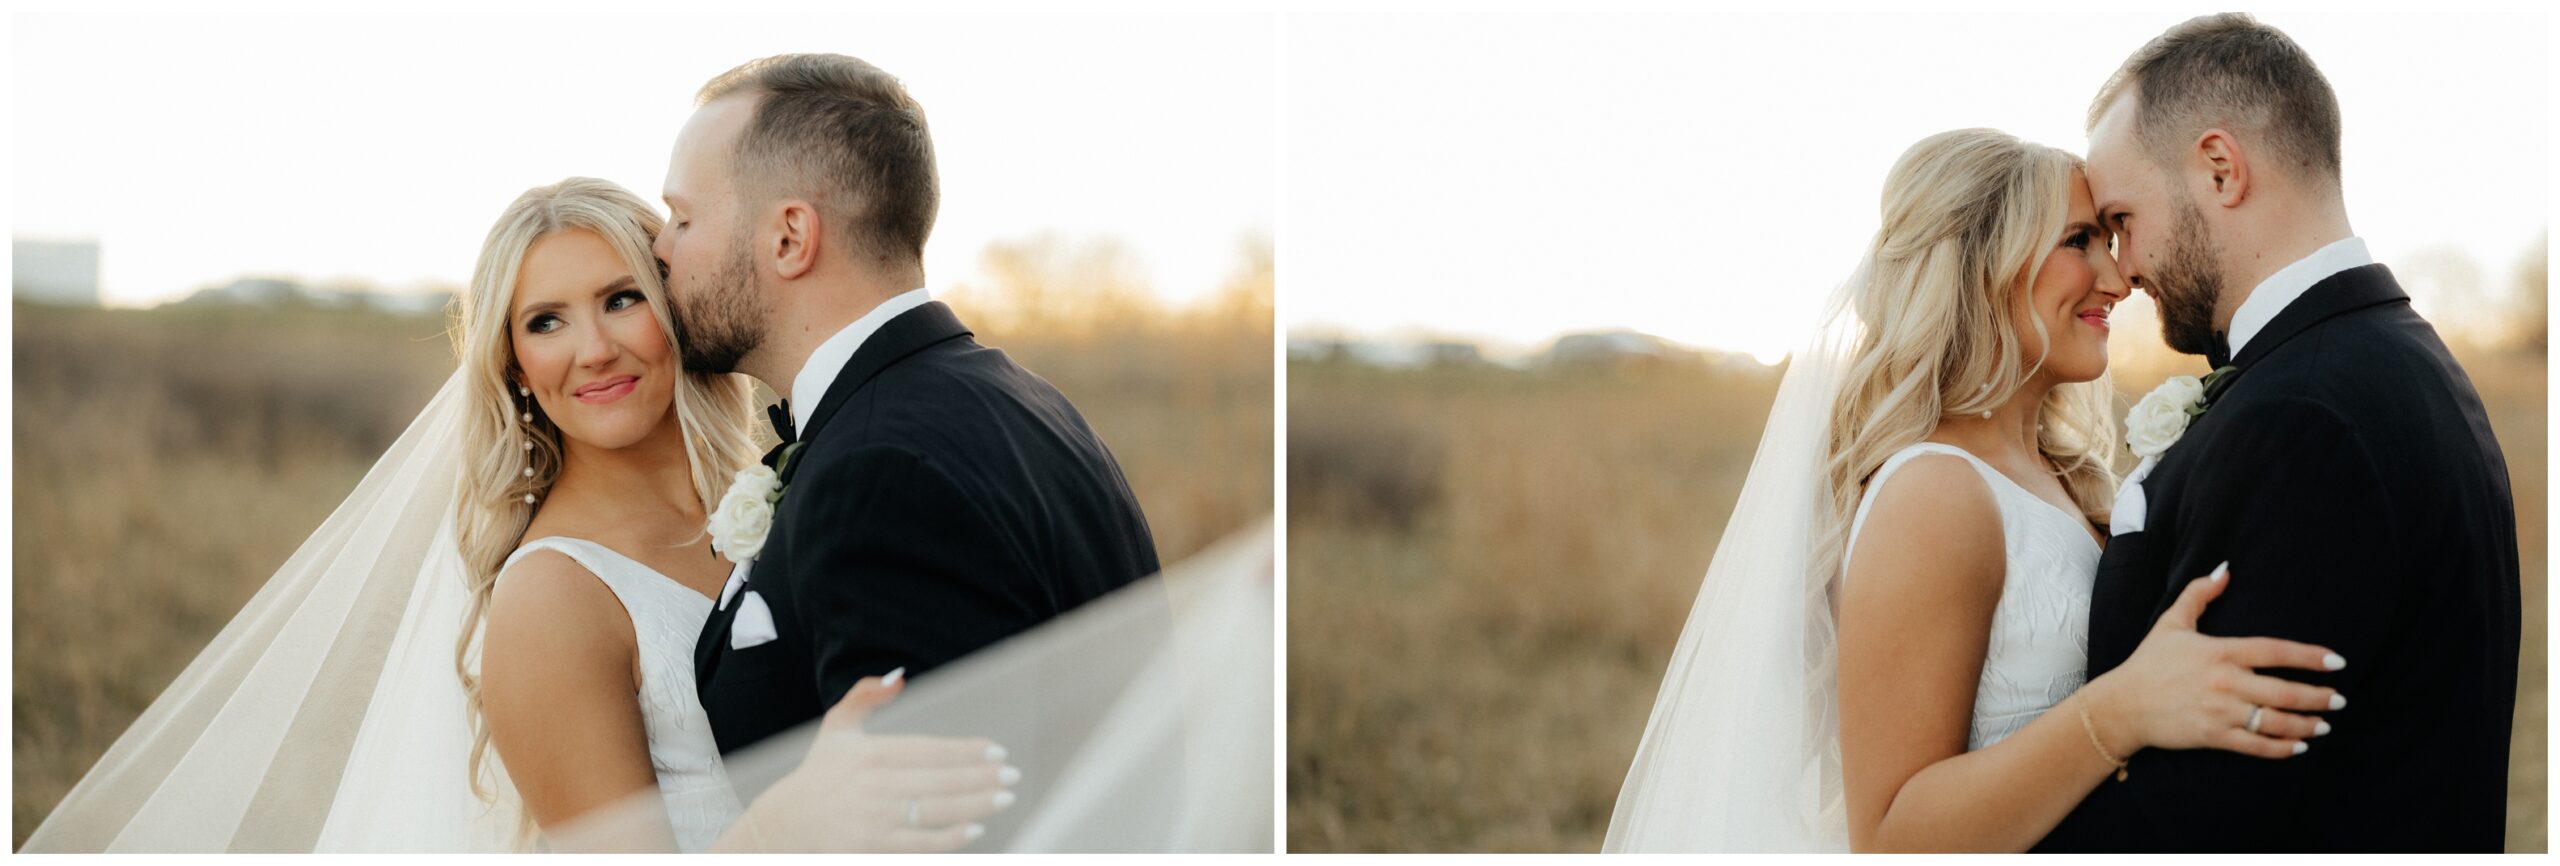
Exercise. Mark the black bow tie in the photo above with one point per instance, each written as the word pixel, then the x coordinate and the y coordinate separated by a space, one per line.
pixel 782 427
pixel 780 413
pixel 2218 355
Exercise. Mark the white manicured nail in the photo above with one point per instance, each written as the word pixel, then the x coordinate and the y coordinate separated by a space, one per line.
pixel 2320 730
pixel 2300 747
pixel 2221 571
pixel 895 677
pixel 1008 775
pixel 995 754
pixel 975 831
pixel 1003 799
pixel 2333 661
pixel 2337 702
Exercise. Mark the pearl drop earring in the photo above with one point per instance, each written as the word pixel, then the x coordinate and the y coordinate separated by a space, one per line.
pixel 527 416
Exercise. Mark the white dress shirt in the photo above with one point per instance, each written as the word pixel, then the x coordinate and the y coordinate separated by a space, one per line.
pixel 2280 289
pixel 819 372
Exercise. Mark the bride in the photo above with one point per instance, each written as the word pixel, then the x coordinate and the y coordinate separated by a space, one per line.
pixel 1888 651
pixel 523 577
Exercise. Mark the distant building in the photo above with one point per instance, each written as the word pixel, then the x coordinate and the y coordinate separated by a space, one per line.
pixel 54 272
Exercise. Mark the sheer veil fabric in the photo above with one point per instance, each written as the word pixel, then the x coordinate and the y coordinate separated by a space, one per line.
pixel 1742 751
pixel 1141 721
pixel 326 716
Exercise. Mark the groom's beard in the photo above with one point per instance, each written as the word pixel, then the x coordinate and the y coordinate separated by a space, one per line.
pixel 726 319
pixel 2186 284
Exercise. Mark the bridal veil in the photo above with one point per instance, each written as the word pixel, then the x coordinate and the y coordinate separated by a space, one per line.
pixel 1742 751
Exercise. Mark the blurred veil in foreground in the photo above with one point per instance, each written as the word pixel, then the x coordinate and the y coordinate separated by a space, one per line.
pixel 1142 721
pixel 327 715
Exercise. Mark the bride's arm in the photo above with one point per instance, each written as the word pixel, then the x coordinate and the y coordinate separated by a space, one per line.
pixel 1915 623
pixel 559 684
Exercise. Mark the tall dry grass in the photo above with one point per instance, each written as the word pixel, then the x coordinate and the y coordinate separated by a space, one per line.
pixel 168 461
pixel 1488 571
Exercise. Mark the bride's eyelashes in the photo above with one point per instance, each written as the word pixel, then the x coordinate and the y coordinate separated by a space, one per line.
pixel 2078 239
pixel 622 300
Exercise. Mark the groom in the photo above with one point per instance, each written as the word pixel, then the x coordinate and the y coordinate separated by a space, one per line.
pixel 939 498
pixel 2344 468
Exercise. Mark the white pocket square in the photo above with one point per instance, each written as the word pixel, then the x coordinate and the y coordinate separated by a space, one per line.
pixel 2130 503
pixel 754 625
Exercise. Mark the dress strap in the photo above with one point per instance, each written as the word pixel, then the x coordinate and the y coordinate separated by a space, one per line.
pixel 625 576
pixel 1875 483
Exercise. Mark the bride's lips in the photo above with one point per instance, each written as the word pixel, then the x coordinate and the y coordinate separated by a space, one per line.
pixel 2096 317
pixel 606 390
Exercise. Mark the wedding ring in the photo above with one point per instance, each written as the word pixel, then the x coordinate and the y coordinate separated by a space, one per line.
pixel 2256 714
pixel 913 819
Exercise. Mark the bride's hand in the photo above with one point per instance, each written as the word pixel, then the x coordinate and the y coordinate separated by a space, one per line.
pixel 864 792
pixel 2184 690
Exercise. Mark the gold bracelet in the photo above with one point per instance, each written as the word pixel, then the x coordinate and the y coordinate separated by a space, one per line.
pixel 2092 728
pixel 2100 746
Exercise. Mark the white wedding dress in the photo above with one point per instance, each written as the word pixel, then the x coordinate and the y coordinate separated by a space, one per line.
pixel 2040 631
pixel 666 617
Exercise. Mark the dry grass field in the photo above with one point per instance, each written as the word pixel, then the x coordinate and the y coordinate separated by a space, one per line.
pixel 1488 570
pixel 169 460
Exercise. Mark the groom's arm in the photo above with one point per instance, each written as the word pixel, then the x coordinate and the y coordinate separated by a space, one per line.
pixel 2296 501
pixel 894 565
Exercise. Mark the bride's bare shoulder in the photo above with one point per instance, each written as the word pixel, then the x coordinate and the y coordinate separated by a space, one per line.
pixel 546 605
pixel 1933 525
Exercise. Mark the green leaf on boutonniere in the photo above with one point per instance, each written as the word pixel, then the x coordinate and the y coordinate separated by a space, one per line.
pixel 2211 392
pixel 782 467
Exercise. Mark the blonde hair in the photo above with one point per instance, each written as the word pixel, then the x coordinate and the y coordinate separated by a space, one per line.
pixel 491 511
pixel 1969 217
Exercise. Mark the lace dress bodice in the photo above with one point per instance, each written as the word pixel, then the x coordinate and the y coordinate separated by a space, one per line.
pixel 2039 648
pixel 667 618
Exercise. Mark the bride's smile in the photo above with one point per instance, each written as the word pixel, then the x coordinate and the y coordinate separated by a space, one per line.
pixel 606 391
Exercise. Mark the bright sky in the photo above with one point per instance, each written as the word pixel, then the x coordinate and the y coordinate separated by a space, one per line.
pixel 201 146
pixel 1711 177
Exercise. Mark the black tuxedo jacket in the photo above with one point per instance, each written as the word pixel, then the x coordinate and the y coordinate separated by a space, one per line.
pixel 945 499
pixel 2348 474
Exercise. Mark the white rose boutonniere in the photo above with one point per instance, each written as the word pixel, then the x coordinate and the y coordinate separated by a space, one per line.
pixel 746 513
pixel 2162 416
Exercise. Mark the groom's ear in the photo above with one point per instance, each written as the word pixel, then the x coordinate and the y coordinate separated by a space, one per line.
pixel 2226 165
pixel 795 245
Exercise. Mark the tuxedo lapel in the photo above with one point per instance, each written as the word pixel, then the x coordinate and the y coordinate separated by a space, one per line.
pixel 910 332
pixel 2343 292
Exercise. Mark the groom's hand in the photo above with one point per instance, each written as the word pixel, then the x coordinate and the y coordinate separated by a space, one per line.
pixel 858 791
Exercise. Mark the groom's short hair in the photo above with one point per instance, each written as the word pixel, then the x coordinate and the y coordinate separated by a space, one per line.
pixel 2229 71
pixel 845 135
